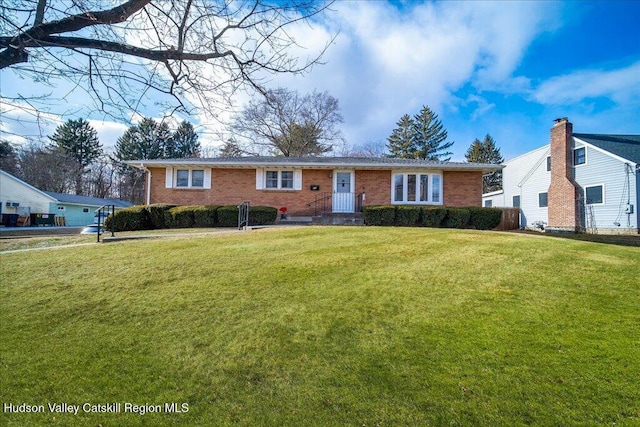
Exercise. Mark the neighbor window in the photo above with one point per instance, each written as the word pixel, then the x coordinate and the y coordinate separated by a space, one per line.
pixel 594 195
pixel 416 188
pixel 279 180
pixel 85 210
pixel 542 200
pixel 488 203
pixel 187 178
pixel 516 201
pixel 579 156
pixel 548 163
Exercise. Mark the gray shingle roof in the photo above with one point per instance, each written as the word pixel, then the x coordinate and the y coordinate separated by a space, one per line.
pixel 86 200
pixel 625 146
pixel 315 162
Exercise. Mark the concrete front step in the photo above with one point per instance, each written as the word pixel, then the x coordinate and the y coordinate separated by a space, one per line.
pixel 325 219
pixel 340 219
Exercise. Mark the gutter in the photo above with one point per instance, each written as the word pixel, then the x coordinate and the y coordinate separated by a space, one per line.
pixel 148 182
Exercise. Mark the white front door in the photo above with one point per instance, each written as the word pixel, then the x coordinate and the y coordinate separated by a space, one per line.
pixel 343 192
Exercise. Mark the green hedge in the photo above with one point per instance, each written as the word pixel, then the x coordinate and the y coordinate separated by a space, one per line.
pixel 432 217
pixel 456 218
pixel 130 219
pixel 182 216
pixel 258 215
pixel 407 216
pixel 379 215
pixel 485 218
pixel 428 216
pixel 159 215
pixel 261 215
pixel 205 216
pixel 227 216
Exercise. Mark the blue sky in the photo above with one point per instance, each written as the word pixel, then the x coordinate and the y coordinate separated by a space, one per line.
pixel 507 68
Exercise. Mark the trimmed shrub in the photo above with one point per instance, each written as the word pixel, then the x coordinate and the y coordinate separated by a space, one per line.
pixel 158 215
pixel 407 216
pixel 379 215
pixel 182 216
pixel 227 216
pixel 205 216
pixel 485 218
pixel 258 215
pixel 432 217
pixel 457 218
pixel 130 219
pixel 261 215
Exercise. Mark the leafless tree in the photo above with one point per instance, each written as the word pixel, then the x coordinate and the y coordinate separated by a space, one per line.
pixel 193 54
pixel 289 124
pixel 47 169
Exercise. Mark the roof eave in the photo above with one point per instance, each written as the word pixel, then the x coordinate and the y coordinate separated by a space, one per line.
pixel 485 168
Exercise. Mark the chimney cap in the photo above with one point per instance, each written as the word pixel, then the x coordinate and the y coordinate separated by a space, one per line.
pixel 561 119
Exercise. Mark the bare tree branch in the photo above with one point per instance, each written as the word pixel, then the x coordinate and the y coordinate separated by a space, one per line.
pixel 195 53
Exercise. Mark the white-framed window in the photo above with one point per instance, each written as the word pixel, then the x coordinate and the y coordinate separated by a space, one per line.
pixel 188 178
pixel 61 208
pixel 416 188
pixel 594 195
pixel 548 163
pixel 278 179
pixel 579 156
pixel 488 203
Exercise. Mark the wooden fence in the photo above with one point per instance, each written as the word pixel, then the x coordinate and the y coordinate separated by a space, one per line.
pixel 510 219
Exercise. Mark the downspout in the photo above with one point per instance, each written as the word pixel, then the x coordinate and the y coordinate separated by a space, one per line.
pixel 148 175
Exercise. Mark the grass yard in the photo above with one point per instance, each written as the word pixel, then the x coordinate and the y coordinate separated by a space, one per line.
pixel 324 326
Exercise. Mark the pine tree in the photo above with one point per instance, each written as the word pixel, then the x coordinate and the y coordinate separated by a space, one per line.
pixel 400 142
pixel 486 152
pixel 78 140
pixel 184 142
pixel 429 137
pixel 421 137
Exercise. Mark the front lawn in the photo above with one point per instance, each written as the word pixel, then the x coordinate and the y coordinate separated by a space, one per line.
pixel 325 326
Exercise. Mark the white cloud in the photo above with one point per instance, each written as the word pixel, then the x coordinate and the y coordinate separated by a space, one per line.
pixel 387 61
pixel 621 85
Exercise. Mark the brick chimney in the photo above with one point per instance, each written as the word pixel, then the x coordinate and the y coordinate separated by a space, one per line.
pixel 563 192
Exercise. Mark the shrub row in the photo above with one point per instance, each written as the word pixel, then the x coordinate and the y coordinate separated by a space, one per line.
pixel 160 216
pixel 426 216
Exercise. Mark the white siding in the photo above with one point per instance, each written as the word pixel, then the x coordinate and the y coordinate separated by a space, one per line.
pixel 16 191
pixel 526 176
pixel 611 172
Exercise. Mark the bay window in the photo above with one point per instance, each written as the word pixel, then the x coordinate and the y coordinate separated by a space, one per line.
pixel 416 188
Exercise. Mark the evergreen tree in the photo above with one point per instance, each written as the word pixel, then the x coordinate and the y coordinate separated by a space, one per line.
pixel 400 142
pixel 429 137
pixel 144 141
pixel 486 152
pixel 421 137
pixel 78 140
pixel 184 142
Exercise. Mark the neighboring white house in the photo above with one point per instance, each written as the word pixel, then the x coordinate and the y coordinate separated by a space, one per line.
pixel 595 186
pixel 17 198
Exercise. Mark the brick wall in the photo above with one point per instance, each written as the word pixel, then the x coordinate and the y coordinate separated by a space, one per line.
pixel 233 186
pixel 462 188
pixel 563 192
pixel 376 184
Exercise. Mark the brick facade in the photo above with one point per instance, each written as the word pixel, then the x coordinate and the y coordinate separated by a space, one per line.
pixel 462 188
pixel 231 186
pixel 563 193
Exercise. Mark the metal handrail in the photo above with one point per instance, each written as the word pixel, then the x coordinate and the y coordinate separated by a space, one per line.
pixel 243 215
pixel 323 199
pixel 111 208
